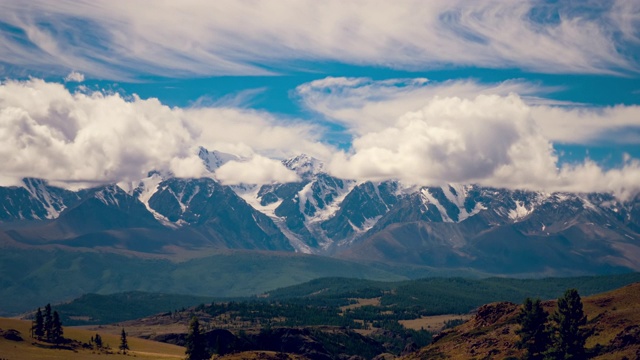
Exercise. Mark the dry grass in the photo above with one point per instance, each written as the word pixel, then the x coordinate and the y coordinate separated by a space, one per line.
pixel 614 311
pixel 31 349
pixel 494 334
pixel 432 323
pixel 361 303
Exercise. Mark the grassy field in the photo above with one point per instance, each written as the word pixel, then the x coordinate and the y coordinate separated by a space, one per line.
pixel 432 323
pixel 32 349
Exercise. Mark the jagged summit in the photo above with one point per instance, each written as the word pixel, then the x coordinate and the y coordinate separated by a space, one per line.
pixel 214 159
pixel 304 165
pixel 455 226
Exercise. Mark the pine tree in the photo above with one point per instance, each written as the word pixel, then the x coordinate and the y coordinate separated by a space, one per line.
pixel 98 341
pixel 534 337
pixel 48 322
pixel 195 342
pixel 56 329
pixel 568 319
pixel 38 326
pixel 124 345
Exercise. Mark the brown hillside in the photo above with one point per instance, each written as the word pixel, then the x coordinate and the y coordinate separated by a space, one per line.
pixel 614 318
pixel 24 347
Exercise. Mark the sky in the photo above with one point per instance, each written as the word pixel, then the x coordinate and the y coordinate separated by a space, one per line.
pixel 538 95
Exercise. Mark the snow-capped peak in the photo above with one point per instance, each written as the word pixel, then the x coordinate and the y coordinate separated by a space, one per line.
pixel 304 165
pixel 214 159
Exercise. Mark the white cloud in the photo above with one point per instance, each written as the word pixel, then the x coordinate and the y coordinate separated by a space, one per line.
pixel 584 124
pixel 244 132
pixel 493 138
pixel 74 76
pixel 490 140
pixel 117 40
pixel 258 170
pixel 77 139
pixel 450 140
pixel 363 106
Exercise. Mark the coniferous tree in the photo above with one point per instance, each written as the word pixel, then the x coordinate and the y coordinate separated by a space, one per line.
pixel 124 345
pixel 56 329
pixel 534 337
pixel 48 322
pixel 568 319
pixel 98 341
pixel 195 342
pixel 38 326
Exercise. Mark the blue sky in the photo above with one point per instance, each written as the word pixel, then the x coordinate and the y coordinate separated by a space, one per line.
pixel 527 94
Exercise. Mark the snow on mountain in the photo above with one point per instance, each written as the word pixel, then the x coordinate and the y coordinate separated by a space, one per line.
pixel 305 166
pixel 428 198
pixel 451 201
pixel 39 191
pixel 251 196
pixel 326 215
pixel 144 190
pixel 109 195
pixel 298 209
pixel 520 211
pixel 450 225
pixel 320 199
pixel 214 159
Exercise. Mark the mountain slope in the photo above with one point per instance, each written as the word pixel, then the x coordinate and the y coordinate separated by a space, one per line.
pixel 31 277
pixel 35 200
pixel 613 319
pixel 504 232
pixel 469 227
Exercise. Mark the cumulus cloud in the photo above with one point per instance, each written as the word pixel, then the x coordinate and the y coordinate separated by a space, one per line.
pixel 112 40
pixel 450 140
pixel 257 170
pixel 424 134
pixel 490 140
pixel 78 139
pixel 364 105
pixel 74 76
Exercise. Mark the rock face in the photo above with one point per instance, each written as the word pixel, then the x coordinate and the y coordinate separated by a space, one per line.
pixel 451 226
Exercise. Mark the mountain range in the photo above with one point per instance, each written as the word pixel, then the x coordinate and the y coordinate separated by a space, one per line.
pixel 454 226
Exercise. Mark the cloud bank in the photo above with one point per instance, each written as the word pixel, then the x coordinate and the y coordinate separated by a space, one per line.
pixel 364 105
pixel 409 130
pixel 81 139
pixel 111 40
pixel 498 135
pixel 489 140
